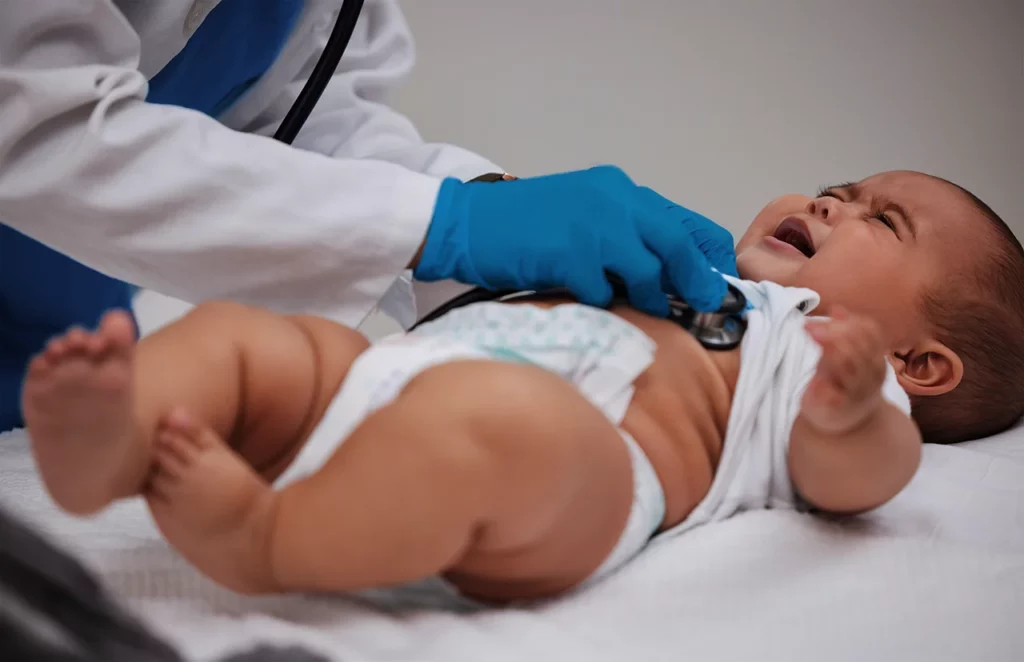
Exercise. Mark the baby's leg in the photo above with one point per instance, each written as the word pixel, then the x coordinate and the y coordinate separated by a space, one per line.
pixel 92 401
pixel 501 476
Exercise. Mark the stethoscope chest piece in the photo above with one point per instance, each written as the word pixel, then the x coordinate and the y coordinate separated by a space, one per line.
pixel 720 330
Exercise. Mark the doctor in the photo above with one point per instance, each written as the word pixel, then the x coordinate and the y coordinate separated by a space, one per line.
pixel 134 138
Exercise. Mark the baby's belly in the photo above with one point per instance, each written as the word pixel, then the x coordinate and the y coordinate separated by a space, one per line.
pixel 679 411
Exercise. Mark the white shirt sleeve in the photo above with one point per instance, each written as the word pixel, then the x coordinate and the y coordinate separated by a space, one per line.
pixel 353 118
pixel 174 201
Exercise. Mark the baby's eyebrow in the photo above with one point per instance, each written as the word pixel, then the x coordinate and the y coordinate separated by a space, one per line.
pixel 891 205
pixel 853 188
pixel 845 186
pixel 885 204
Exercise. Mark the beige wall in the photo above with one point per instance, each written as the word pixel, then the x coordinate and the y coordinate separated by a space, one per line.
pixel 724 104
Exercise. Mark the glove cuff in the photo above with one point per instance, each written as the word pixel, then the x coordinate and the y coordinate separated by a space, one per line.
pixel 443 248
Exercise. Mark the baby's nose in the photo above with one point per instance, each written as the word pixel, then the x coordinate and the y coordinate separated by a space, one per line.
pixel 826 208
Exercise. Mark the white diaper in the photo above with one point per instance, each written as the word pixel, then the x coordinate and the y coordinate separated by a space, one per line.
pixel 599 353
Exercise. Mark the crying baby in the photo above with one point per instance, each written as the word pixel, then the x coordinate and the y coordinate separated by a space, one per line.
pixel 520 450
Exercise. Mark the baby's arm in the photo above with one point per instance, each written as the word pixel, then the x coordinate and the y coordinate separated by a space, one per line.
pixel 851 450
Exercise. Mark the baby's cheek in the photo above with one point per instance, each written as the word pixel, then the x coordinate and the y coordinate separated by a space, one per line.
pixel 756 263
pixel 744 262
pixel 762 226
pixel 850 279
pixel 769 218
pixel 785 205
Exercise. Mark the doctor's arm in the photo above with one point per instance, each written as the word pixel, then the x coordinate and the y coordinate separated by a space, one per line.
pixel 851 449
pixel 521 231
pixel 353 118
pixel 172 200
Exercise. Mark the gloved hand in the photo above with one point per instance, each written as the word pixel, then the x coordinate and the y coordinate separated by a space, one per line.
pixel 566 230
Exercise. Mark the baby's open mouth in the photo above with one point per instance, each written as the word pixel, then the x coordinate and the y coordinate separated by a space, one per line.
pixel 794 232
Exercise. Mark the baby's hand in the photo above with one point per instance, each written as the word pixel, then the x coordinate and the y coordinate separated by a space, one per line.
pixel 847 386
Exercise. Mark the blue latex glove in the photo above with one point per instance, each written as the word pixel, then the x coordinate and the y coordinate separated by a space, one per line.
pixel 566 230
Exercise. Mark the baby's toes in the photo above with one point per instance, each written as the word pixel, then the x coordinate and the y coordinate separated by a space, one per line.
pixel 76 340
pixel 173 453
pixel 38 368
pixel 56 349
pixel 182 424
pixel 117 329
pixel 161 484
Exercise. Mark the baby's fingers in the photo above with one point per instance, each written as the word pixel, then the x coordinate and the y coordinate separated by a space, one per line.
pixel 868 345
pixel 819 330
pixel 843 362
pixel 841 359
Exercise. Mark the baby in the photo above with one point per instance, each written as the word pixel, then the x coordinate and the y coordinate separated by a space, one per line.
pixel 522 450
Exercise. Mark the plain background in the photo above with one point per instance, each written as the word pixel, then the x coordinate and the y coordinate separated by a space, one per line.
pixel 723 105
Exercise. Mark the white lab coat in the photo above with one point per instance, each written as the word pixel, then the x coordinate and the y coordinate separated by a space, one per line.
pixel 172 200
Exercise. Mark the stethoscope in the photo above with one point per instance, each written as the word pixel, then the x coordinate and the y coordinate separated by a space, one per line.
pixel 324 69
pixel 720 330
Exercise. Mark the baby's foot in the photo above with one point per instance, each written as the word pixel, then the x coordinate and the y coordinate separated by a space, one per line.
pixel 210 504
pixel 77 404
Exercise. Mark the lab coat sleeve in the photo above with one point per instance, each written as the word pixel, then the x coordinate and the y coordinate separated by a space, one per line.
pixel 174 201
pixel 353 118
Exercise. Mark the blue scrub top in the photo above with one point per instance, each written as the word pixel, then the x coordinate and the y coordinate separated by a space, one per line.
pixel 42 292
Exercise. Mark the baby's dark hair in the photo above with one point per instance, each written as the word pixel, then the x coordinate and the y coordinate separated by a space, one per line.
pixel 981 318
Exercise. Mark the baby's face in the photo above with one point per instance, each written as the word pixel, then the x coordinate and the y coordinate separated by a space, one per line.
pixel 873 247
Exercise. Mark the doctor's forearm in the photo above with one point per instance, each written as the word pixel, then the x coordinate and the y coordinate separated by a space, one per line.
pixel 173 201
pixel 170 199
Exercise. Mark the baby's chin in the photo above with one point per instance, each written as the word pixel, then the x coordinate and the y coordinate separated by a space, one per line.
pixel 757 265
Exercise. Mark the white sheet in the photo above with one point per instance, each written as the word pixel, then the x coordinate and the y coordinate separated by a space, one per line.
pixel 938 574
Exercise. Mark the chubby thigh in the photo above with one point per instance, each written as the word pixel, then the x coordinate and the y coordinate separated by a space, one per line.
pixel 500 476
pixel 260 380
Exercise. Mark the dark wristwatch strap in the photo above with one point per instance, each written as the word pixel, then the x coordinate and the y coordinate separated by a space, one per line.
pixel 493 177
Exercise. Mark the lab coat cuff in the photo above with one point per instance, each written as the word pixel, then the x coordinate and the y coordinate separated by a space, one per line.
pixel 415 207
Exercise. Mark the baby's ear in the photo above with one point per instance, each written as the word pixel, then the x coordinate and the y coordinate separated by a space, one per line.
pixel 928 369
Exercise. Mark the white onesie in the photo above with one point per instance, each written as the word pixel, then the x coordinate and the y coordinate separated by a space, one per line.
pixel 777 361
